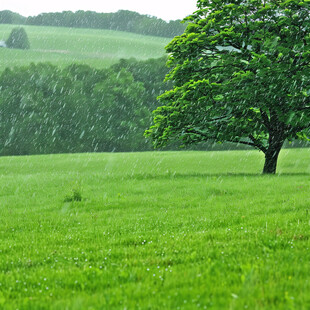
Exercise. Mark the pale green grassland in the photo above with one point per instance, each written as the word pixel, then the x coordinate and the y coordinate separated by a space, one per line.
pixel 161 230
pixel 63 46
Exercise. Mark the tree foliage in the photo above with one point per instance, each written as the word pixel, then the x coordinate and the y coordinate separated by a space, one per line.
pixel 18 39
pixel 45 109
pixel 241 72
pixel 122 20
pixel 9 17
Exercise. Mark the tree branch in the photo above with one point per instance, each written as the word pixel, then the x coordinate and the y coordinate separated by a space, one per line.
pixel 265 118
pixel 254 143
pixel 257 143
pixel 243 142
pixel 303 108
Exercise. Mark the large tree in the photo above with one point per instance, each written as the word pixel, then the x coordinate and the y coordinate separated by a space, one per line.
pixel 241 74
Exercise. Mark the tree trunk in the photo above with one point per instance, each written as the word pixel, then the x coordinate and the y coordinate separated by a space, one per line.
pixel 272 153
pixel 271 159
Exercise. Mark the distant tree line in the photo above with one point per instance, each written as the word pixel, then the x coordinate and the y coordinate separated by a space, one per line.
pixel 9 17
pixel 122 21
pixel 45 109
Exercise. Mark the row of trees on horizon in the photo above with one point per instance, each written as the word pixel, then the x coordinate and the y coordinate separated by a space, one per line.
pixel 122 20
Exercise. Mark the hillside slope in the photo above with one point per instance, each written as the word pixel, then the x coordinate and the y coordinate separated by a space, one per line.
pixel 63 46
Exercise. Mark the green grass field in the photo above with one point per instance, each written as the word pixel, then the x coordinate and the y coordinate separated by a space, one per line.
pixel 159 230
pixel 63 46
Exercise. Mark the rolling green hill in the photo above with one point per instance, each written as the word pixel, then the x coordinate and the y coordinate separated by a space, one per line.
pixel 63 46
pixel 157 230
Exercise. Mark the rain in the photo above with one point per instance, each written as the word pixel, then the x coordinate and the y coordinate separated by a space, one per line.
pixel 154 155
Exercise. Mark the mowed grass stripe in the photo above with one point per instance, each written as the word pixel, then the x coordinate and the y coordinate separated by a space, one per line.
pixel 158 230
pixel 63 46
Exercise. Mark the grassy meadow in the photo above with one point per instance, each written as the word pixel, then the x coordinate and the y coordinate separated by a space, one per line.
pixel 63 46
pixel 159 230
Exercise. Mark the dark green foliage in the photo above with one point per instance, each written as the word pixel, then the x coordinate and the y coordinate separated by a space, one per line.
pixel 44 109
pixel 8 17
pixel 241 73
pixel 18 39
pixel 122 20
pixel 149 72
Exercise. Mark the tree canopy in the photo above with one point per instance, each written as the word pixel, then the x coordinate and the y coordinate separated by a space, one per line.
pixel 45 109
pixel 241 73
pixel 8 17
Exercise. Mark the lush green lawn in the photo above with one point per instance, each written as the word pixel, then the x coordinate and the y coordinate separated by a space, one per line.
pixel 162 230
pixel 63 46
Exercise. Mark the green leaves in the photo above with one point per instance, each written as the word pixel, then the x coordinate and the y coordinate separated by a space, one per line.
pixel 44 109
pixel 241 74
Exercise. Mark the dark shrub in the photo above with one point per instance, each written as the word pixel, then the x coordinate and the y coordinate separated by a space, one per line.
pixel 18 39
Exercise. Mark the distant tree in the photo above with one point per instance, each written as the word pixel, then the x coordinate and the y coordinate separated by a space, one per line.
pixel 18 39
pixel 121 112
pixel 151 73
pixel 241 73
pixel 8 17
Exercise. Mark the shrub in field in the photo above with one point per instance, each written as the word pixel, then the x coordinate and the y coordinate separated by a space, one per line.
pixel 75 195
pixel 18 39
